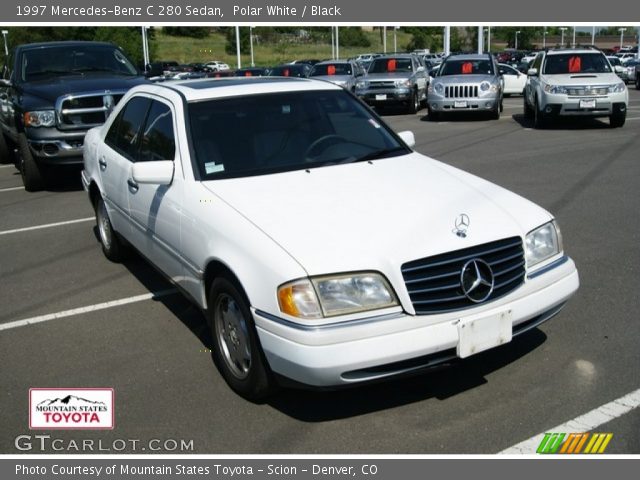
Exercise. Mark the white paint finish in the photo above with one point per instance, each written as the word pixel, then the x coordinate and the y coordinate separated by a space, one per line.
pixel 48 225
pixel 87 309
pixel 584 423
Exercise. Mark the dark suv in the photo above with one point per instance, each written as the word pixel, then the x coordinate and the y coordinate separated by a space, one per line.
pixel 50 95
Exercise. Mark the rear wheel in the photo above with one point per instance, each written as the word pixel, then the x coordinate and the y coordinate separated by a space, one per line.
pixel 236 347
pixel 31 172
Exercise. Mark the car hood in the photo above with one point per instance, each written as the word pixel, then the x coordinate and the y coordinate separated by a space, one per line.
pixel 373 77
pixel 52 88
pixel 570 79
pixel 376 215
pixel 464 79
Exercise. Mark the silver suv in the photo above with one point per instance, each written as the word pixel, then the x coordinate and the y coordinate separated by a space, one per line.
pixel 395 79
pixel 574 82
pixel 466 83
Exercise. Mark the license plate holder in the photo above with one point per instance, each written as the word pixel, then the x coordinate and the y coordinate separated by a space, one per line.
pixel 477 334
pixel 588 103
pixel 460 104
pixel 381 96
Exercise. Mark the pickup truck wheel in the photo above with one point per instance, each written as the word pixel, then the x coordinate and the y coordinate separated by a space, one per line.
pixel 5 154
pixel 617 120
pixel 32 173
pixel 112 246
pixel 236 347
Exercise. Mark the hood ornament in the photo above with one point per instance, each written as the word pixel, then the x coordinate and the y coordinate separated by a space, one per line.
pixel 462 223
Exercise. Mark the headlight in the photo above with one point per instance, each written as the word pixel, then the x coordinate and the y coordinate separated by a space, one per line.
pixel 40 118
pixel 542 243
pixel 403 83
pixel 555 89
pixel 328 296
pixel 439 88
pixel 362 84
pixel 484 86
pixel 616 88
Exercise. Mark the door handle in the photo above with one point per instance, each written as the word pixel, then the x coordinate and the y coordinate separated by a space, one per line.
pixel 103 164
pixel 133 185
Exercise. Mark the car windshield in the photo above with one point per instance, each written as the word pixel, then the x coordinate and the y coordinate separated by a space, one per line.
pixel 331 69
pixel 40 63
pixel 466 67
pixel 267 133
pixel 566 63
pixel 390 65
pixel 614 61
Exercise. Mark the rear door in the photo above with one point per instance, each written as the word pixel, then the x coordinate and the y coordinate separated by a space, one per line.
pixel 115 157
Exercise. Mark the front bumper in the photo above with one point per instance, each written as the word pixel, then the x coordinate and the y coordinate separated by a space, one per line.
pixel 385 96
pixel 52 146
pixel 398 344
pixel 478 104
pixel 563 105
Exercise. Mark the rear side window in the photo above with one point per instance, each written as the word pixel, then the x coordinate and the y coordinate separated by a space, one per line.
pixel 158 139
pixel 124 133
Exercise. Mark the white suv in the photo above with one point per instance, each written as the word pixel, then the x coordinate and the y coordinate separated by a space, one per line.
pixel 578 82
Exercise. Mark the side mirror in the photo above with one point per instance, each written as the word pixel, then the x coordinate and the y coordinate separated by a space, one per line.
pixel 408 137
pixel 153 70
pixel 156 173
pixel 532 72
pixel 420 69
pixel 5 83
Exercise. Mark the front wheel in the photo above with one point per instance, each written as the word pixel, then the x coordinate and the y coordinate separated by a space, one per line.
pixel 31 172
pixel 617 120
pixel 539 118
pixel 112 246
pixel 236 347
pixel 528 112
pixel 414 106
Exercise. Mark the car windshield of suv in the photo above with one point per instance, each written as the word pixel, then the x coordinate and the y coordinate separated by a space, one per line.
pixel 567 63
pixel 260 134
pixel 466 67
pixel 331 69
pixel 289 71
pixel 41 63
pixel 391 65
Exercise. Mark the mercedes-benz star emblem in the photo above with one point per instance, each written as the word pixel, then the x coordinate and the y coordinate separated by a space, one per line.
pixel 477 280
pixel 462 225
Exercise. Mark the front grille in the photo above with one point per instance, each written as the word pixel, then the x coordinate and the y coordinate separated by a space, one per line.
pixel 461 91
pixel 580 91
pixel 385 84
pixel 434 283
pixel 86 111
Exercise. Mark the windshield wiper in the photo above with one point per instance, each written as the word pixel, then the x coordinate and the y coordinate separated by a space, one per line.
pixel 99 69
pixel 53 72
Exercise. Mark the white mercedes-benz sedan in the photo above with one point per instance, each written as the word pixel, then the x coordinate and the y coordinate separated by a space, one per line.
pixel 322 249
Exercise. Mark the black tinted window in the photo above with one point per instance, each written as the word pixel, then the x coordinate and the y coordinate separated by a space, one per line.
pixel 576 63
pixel 124 133
pixel 158 141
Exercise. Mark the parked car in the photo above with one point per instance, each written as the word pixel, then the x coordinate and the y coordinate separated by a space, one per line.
pixel 301 70
pixel 50 95
pixel 466 83
pixel 216 66
pixel 251 72
pixel 262 200
pixel 395 80
pixel 632 70
pixel 574 82
pixel 340 72
pixel 621 71
pixel 514 80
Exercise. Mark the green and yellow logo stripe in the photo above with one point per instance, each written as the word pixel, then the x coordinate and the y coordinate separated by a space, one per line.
pixel 573 443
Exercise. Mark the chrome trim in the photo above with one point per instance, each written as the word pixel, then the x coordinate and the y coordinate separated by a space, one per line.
pixel 551 266
pixel 543 317
pixel 107 106
pixel 62 145
pixel 329 326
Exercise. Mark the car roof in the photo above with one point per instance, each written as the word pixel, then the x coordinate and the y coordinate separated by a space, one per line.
pixel 469 56
pixel 69 43
pixel 211 88
pixel 561 51
pixel 332 62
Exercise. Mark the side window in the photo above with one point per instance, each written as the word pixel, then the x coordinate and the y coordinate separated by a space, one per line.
pixel 124 134
pixel 537 62
pixel 158 139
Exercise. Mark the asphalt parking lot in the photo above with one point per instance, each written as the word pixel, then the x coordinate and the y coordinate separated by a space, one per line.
pixel 154 351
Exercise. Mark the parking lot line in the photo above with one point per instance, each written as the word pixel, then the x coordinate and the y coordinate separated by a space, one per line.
pixel 583 423
pixel 89 308
pixel 10 189
pixel 48 225
pixel 7 166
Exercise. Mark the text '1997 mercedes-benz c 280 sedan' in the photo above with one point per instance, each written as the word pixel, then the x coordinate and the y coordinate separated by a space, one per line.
pixel 322 248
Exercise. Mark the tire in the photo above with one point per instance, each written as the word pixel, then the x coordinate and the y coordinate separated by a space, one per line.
pixel 236 347
pixel 539 120
pixel 434 116
pixel 637 81
pixel 617 120
pixel 495 113
pixel 414 106
pixel 6 155
pixel 31 172
pixel 528 112
pixel 112 246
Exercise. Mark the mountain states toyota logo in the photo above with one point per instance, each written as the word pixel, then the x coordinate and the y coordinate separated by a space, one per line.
pixel 71 408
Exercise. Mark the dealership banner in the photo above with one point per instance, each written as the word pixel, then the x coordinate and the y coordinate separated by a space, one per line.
pixel 316 11
pixel 310 468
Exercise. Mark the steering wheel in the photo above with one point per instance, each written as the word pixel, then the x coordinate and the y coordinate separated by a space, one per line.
pixel 314 149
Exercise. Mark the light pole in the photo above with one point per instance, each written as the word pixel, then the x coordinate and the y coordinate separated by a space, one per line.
pixel 337 43
pixel 593 35
pixel 251 45
pixel 6 45
pixel 395 40
pixel 238 46
pixel 145 47
pixel 621 30
pixel 544 38
pixel 489 39
pixel 573 44
pixel 384 39
pixel 447 40
pixel 480 39
pixel 517 33
pixel 333 44
pixel 562 29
